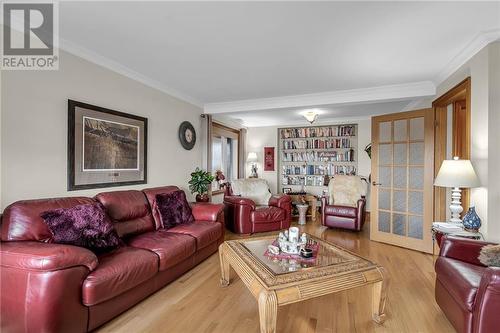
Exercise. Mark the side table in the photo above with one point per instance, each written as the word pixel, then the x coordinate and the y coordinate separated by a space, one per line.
pixel 302 208
pixel 438 233
pixel 310 199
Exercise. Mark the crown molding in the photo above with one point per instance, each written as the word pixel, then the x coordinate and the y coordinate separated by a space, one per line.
pixel 477 44
pixel 114 66
pixel 322 121
pixel 374 94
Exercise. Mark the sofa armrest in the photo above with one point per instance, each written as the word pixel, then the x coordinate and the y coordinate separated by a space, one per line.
pixel 37 256
pixel 280 200
pixel 462 249
pixel 203 211
pixel 237 200
pixel 487 301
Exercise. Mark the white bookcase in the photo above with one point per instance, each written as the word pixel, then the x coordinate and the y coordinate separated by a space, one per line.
pixel 307 154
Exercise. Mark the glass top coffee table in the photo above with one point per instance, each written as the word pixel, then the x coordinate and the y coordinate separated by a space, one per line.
pixel 274 280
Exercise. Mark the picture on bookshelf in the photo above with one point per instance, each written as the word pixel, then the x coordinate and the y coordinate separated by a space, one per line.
pixel 309 156
pixel 287 190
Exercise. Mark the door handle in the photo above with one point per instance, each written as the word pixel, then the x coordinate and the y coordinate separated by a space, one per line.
pixel 374 183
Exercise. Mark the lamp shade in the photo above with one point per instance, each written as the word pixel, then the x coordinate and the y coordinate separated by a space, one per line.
pixel 252 157
pixel 456 173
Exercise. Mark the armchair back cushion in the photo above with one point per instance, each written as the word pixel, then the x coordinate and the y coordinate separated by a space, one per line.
pixel 22 221
pixel 346 190
pixel 254 188
pixel 129 211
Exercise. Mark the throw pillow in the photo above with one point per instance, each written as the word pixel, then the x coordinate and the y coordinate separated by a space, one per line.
pixel 83 225
pixel 490 255
pixel 173 209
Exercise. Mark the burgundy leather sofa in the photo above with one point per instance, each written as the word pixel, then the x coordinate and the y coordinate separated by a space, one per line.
pixel 243 216
pixel 48 287
pixel 467 291
pixel 346 217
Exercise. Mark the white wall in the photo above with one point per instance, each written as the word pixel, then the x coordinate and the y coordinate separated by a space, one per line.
pixel 34 127
pixel 484 132
pixel 494 141
pixel 260 137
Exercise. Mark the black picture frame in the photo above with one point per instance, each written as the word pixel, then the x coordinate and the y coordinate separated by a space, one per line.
pixel 71 149
pixel 183 128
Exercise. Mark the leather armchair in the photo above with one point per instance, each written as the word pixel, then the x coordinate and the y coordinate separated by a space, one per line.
pixel 244 216
pixel 342 215
pixel 467 291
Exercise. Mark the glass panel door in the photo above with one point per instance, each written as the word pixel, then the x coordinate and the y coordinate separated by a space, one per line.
pixel 402 166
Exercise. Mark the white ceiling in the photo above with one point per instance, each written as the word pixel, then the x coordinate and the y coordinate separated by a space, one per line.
pixel 213 52
pixel 327 114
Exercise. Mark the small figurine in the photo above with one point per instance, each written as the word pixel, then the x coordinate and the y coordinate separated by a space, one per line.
pixel 303 238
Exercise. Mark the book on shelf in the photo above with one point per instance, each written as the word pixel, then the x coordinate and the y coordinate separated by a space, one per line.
pixel 317 143
pixel 320 131
pixel 315 156
pixel 311 170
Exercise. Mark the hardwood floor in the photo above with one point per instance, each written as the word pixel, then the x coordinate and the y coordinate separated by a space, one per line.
pixel 196 303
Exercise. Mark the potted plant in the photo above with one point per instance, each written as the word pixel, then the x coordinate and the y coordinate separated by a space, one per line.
pixel 199 183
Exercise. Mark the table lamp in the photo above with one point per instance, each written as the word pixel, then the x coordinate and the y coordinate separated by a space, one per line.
pixel 456 174
pixel 252 158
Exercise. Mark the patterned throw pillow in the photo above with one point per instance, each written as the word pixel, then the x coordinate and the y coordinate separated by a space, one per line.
pixel 173 209
pixel 490 255
pixel 83 225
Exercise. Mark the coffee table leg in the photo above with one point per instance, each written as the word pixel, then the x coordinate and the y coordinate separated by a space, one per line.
pixel 225 268
pixel 268 310
pixel 379 297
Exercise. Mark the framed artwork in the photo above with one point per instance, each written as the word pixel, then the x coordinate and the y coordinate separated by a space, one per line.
pixel 268 158
pixel 286 190
pixel 105 147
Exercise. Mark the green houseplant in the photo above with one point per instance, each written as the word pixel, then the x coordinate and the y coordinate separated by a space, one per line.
pixel 199 183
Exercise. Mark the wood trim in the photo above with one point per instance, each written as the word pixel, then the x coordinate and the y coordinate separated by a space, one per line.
pixel 228 132
pixel 460 92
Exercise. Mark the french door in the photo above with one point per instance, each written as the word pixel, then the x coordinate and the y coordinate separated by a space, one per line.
pixel 402 179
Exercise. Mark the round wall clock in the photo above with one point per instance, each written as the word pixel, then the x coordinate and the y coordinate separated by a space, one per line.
pixel 187 135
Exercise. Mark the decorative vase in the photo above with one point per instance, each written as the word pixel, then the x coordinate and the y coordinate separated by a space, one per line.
pixel 202 197
pixel 471 220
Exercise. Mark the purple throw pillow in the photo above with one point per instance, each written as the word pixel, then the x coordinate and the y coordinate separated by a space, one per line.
pixel 83 225
pixel 173 209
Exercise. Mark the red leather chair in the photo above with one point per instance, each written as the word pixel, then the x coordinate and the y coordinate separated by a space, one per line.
pixel 255 212
pixel 344 215
pixel 467 291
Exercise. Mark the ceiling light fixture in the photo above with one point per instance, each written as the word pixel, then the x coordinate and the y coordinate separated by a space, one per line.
pixel 311 116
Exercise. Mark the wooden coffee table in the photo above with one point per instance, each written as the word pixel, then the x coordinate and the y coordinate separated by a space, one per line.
pixel 274 282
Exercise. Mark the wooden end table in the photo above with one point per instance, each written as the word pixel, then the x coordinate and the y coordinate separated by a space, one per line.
pixel 310 199
pixel 275 282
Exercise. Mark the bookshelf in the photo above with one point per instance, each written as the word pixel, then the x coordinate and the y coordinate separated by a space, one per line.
pixel 307 154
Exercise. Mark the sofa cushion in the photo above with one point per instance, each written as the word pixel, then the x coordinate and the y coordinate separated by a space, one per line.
pixel 117 272
pixel 171 248
pixel 265 214
pixel 129 211
pixel 461 279
pixel 22 221
pixel 173 209
pixel 83 225
pixel 151 194
pixel 204 232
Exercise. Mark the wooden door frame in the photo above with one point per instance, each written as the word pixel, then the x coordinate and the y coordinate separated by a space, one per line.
pixel 425 244
pixel 461 91
pixel 219 129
